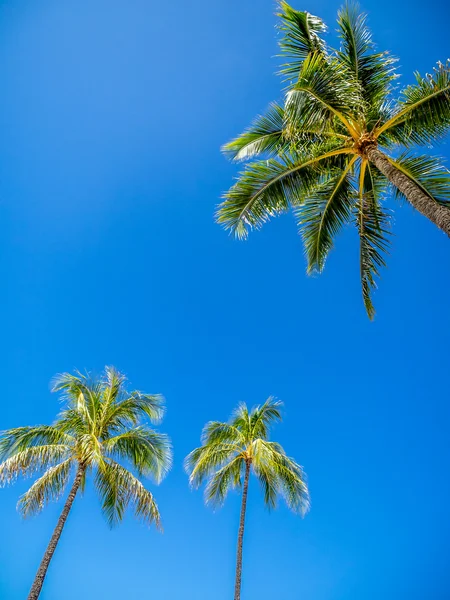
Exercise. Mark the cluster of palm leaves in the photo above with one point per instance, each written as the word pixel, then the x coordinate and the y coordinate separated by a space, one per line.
pixel 99 429
pixel 103 431
pixel 332 151
pixel 231 451
pixel 340 143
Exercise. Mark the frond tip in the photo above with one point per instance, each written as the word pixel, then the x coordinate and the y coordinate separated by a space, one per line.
pixel 300 37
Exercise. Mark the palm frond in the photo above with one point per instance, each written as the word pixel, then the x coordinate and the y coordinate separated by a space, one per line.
pixel 291 479
pixel 89 449
pixel 423 113
pixel 373 226
pixel 82 393
pixel 120 489
pixel 205 460
pixel 428 172
pixel 323 214
pixel 217 432
pixel 374 71
pixel 113 383
pixel 19 439
pixel 262 466
pixel 33 459
pixel 46 489
pixel 222 481
pixel 271 135
pixel 267 188
pixel 129 411
pixel 279 474
pixel 73 422
pixel 149 451
pixel 325 92
pixel 262 417
pixel 265 135
pixel 300 37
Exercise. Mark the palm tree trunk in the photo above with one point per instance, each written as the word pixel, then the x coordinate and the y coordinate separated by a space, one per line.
pixel 42 571
pixel 237 587
pixel 437 213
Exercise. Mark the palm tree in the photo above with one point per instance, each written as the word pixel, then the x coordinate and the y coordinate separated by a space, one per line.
pixel 230 451
pixel 340 142
pixel 101 426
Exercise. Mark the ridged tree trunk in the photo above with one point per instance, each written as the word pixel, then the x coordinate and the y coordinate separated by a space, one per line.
pixel 42 571
pixel 438 214
pixel 237 587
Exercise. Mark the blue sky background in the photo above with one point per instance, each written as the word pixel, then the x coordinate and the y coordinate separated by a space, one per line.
pixel 111 117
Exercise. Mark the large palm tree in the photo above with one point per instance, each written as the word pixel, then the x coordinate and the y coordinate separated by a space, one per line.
pixel 340 142
pixel 101 426
pixel 231 451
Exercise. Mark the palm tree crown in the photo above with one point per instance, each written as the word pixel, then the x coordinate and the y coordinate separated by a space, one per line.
pixel 101 427
pixel 321 147
pixel 227 448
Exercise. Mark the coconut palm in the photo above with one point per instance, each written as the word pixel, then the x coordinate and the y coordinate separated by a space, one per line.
pixel 101 426
pixel 340 142
pixel 231 451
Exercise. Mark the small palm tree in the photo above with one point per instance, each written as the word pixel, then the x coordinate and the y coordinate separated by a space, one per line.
pixel 340 142
pixel 101 426
pixel 230 451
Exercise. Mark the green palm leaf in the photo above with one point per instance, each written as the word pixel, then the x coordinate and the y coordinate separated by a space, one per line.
pixel 323 214
pixel 300 37
pixel 373 227
pixel 47 488
pixel 325 94
pixel 119 489
pixel 21 438
pixel 429 173
pixel 222 481
pixel 33 459
pixel 265 135
pixel 268 188
pixel 374 71
pixel 423 113
pixel 147 450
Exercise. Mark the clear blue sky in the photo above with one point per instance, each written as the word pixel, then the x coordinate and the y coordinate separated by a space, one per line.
pixel 111 118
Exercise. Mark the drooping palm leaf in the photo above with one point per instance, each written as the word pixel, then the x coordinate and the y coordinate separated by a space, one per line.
pixel 47 488
pixel 324 212
pixel 373 228
pixel 120 489
pixel 33 459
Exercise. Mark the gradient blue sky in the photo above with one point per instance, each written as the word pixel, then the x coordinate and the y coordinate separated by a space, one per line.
pixel 111 117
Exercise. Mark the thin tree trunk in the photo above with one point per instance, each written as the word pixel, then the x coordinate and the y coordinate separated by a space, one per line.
pixel 237 587
pixel 438 214
pixel 42 571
